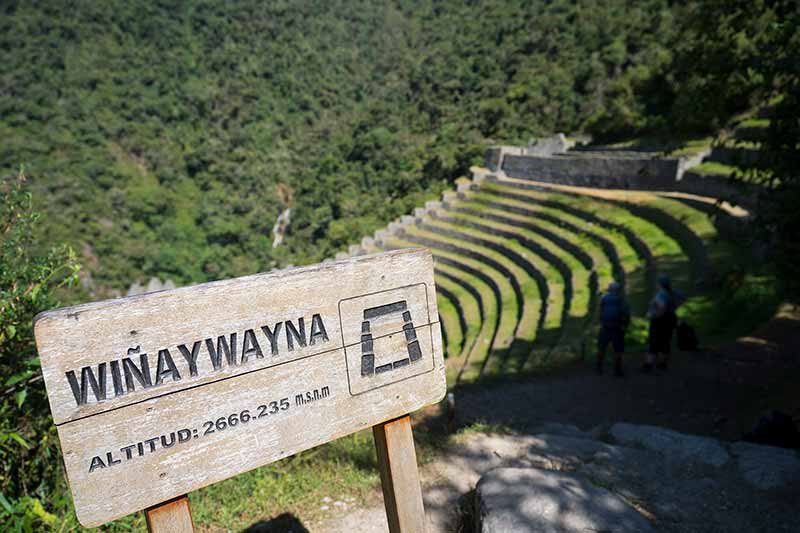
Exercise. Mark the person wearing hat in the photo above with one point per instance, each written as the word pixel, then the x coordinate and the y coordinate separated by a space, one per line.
pixel 614 319
pixel 663 320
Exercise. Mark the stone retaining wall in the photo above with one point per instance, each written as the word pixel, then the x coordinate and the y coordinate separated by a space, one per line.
pixel 625 171
pixel 714 186
pixel 599 171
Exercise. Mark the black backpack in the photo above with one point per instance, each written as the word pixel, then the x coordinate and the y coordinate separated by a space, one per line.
pixel 687 337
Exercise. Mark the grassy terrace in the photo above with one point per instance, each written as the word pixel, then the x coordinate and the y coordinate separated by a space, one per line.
pixel 575 273
pixel 561 270
pixel 681 241
pixel 535 277
pixel 712 168
pixel 572 242
pixel 450 317
pixel 623 259
pixel 520 267
pixel 518 292
pixel 470 318
pixel 473 275
pixel 604 249
pixel 671 246
pixel 637 241
pixel 580 283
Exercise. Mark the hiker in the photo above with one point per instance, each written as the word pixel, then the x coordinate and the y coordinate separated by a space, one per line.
pixel 614 319
pixel 663 320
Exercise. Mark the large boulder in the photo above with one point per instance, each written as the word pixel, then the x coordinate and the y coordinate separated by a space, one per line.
pixel 532 499
pixel 560 449
pixel 671 443
pixel 766 467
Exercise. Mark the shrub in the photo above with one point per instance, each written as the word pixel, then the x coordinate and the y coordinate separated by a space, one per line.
pixel 29 276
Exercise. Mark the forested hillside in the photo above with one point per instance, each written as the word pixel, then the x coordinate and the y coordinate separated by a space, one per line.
pixel 164 138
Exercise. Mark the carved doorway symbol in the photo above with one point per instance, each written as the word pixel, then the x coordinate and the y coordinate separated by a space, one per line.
pixel 374 314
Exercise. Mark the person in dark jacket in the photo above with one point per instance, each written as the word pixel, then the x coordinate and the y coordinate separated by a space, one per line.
pixel 614 319
pixel 663 320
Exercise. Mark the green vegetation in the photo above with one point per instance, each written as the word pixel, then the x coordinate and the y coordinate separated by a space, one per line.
pixel 450 325
pixel 30 472
pixel 500 250
pixel 350 113
pixel 163 140
pixel 712 168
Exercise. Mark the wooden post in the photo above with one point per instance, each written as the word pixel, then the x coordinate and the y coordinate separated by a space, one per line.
pixel 397 463
pixel 173 516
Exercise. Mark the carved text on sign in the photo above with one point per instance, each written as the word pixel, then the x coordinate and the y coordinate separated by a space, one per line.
pixel 122 376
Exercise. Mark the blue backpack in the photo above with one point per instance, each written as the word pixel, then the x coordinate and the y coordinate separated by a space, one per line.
pixel 613 311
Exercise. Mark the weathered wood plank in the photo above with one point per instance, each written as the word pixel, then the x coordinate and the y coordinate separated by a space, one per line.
pixel 173 516
pixel 160 394
pixel 397 462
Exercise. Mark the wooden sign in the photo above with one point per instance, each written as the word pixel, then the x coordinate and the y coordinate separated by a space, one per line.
pixel 161 394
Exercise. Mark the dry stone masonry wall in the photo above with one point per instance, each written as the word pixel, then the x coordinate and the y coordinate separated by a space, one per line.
pixel 553 160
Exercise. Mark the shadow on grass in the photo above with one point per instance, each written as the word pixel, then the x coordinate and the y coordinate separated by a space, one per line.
pixel 285 523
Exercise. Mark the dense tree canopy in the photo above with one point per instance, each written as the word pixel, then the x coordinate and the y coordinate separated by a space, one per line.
pixel 163 138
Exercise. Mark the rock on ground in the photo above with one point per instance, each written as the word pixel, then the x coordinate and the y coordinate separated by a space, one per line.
pixel 533 499
pixel 766 467
pixel 564 479
pixel 677 445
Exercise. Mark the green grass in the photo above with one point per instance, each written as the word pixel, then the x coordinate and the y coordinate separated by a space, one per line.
pixel 472 317
pixel 669 255
pixel 450 323
pixel 344 468
pixel 474 360
pixel 712 168
pixel 734 309
pixel 527 328
pixel 742 301
pixel 485 428
pixel 629 260
pixel 754 123
pixel 528 285
pixel 466 304
pixel 579 276
pixel 587 240
pixel 510 307
pixel 534 226
pixel 693 147
pixel 669 259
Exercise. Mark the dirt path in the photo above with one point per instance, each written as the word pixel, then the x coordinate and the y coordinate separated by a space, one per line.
pixel 719 393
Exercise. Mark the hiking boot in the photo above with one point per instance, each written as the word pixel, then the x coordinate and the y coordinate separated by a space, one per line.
pixel 663 367
pixel 647 368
